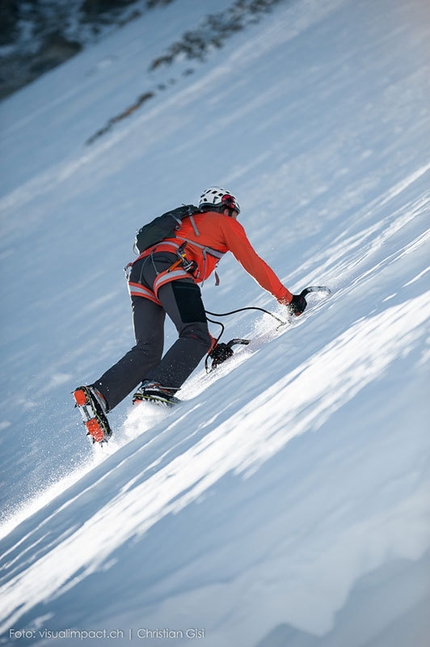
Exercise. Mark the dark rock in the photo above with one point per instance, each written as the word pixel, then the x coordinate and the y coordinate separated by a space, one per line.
pixel 92 8
pixel 9 16
pixel 55 50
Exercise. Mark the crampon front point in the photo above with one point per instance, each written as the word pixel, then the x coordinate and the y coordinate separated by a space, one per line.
pixel 94 419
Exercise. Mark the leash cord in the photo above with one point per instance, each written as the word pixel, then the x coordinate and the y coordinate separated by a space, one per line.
pixel 233 312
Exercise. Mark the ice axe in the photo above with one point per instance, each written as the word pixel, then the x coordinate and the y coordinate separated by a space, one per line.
pixel 221 352
pixel 298 303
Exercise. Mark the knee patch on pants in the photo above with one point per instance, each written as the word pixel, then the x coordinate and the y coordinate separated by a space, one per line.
pixel 189 301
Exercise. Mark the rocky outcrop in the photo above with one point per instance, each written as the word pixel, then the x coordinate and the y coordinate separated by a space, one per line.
pixel 35 37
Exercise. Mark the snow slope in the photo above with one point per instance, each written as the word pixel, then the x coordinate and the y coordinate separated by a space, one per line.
pixel 287 501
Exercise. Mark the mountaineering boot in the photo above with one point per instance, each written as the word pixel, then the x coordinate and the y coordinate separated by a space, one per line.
pixel 93 408
pixel 154 392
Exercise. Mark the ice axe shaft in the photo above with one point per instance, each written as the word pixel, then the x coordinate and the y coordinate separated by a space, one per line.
pixel 315 288
pixel 235 341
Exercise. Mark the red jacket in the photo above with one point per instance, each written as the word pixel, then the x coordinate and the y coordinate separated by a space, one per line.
pixel 223 234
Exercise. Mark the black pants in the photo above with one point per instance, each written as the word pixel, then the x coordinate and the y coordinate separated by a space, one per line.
pixel 181 300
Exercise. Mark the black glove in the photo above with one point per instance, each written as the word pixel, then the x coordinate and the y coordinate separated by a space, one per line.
pixel 220 353
pixel 297 305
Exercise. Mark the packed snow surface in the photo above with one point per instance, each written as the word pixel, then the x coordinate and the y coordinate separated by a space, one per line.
pixel 285 503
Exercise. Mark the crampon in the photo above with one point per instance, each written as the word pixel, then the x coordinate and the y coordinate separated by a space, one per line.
pixel 93 416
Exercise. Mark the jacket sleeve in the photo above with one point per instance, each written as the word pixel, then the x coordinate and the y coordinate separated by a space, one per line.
pixel 238 244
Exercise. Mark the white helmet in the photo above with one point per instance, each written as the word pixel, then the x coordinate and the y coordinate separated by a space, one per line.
pixel 217 197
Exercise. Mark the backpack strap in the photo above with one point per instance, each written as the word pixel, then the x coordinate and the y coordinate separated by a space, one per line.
pixel 194 226
pixel 205 249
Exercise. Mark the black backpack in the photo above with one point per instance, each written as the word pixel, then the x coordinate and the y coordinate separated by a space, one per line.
pixel 165 226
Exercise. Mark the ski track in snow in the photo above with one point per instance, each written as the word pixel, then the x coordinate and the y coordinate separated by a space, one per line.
pixel 286 501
